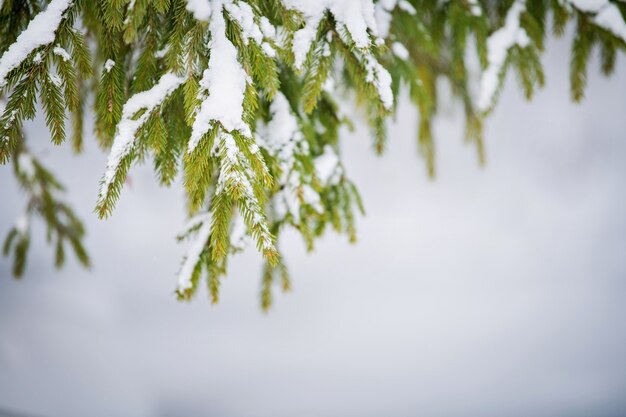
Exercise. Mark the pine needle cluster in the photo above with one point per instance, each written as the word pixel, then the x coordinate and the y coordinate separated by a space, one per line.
pixel 243 100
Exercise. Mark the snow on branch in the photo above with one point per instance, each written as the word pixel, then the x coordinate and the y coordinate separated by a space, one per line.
pixel 356 16
pixel 383 11
pixel 282 138
pixel 39 32
pixel 223 85
pixel 203 224
pixel 234 180
pixel 380 78
pixel 357 21
pixel 134 114
pixel 327 166
pixel 498 45
pixel 607 15
pixel 200 9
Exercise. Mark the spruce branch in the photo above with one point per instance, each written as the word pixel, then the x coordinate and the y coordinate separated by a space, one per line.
pixel 245 100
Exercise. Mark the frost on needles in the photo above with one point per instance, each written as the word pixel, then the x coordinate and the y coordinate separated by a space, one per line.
pixel 244 102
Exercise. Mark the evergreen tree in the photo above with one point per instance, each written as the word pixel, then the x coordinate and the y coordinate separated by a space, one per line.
pixel 240 98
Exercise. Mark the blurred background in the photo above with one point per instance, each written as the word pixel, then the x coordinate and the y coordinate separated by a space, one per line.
pixel 495 291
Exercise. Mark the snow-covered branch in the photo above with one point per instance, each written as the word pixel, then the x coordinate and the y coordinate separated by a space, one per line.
pixel 40 31
pixel 498 45
pixel 136 112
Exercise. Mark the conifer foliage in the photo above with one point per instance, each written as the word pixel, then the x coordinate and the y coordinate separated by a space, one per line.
pixel 243 100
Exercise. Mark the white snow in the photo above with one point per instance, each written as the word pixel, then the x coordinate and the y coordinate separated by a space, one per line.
pixel 400 50
pixel 356 15
pixel 200 9
pixel 37 58
pixel 269 31
pixel 303 39
pixel 383 16
pixel 232 176
pixel 610 18
pixel 222 87
pixel 380 77
pixel 193 254
pixel 21 224
pixel 55 79
pixel 475 8
pixel 282 132
pixel 127 127
pixel 383 11
pixel 311 197
pixel 25 164
pixel 2 108
pixel 327 166
pixel 60 51
pixel 607 15
pixel 238 238
pixel 193 223
pixel 242 13
pixel 162 52
pixel 282 137
pixel 498 45
pixel 590 6
pixel 407 7
pixel 269 50
pixel 39 32
pixel 108 65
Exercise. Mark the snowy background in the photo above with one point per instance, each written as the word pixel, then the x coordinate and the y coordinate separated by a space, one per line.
pixel 488 292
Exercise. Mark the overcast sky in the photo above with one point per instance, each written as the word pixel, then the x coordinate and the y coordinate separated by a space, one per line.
pixel 489 292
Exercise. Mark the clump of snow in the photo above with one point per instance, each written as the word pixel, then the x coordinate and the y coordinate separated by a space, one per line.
pixel 380 77
pixel 195 250
pixel 37 58
pixel 282 132
pixel 55 79
pixel 242 13
pixel 590 6
pixel 327 167
pixel 22 223
pixel 607 15
pixel 269 50
pixel 145 101
pixel 282 137
pixel 231 176
pixel 400 50
pixel 311 197
pixel 357 16
pixel 498 45
pixel 200 9
pixel 222 87
pixel 11 119
pixel 383 11
pixel 383 16
pixel 269 31
pixel 108 65
pixel 26 165
pixel 39 32
pixel 162 52
pixel 407 7
pixel 475 8
pixel 610 18
pixel 60 51
pixel 303 39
